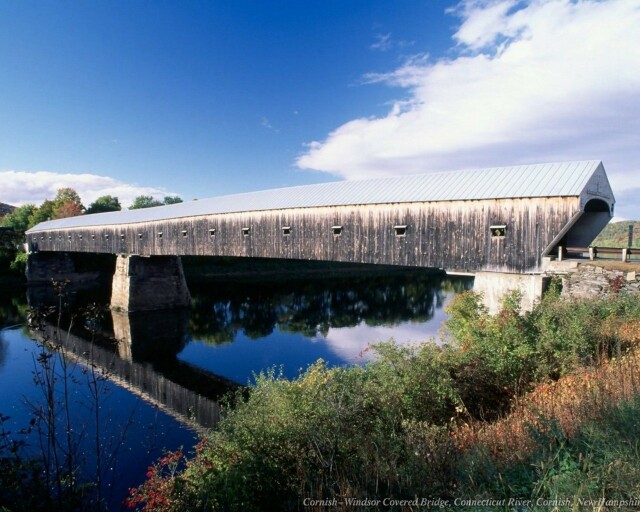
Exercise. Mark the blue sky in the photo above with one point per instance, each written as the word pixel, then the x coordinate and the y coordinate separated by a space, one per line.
pixel 205 98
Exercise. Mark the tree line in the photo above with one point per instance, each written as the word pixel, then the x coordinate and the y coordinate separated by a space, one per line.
pixel 66 203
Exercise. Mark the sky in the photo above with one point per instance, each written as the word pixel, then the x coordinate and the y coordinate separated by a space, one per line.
pixel 205 98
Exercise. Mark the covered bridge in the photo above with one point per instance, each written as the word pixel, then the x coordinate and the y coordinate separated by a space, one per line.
pixel 504 219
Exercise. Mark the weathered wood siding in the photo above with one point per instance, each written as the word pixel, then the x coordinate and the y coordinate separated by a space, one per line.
pixel 451 235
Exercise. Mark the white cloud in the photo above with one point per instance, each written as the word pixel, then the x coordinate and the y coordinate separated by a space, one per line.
pixel 20 187
pixel 543 81
pixel 383 42
pixel 352 344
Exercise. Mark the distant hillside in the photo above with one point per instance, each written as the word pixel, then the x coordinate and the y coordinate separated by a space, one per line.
pixel 6 208
pixel 616 234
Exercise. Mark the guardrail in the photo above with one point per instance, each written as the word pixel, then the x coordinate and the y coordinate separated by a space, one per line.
pixel 623 253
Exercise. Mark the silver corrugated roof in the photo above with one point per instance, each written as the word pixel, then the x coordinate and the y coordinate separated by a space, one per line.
pixel 537 180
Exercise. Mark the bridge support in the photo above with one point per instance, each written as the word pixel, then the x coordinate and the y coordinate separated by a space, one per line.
pixel 495 285
pixel 148 284
pixel 43 267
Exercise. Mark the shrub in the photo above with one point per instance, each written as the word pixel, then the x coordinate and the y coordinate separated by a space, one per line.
pixel 495 357
pixel 427 420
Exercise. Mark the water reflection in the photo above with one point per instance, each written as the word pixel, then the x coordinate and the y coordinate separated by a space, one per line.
pixel 148 369
pixel 312 308
pixel 150 335
pixel 182 361
pixel 183 358
pixel 238 329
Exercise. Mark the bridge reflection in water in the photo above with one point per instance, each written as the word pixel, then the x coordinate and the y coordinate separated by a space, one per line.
pixel 174 359
pixel 141 357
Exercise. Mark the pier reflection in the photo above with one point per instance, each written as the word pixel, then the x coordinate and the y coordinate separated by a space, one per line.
pixel 176 358
pixel 150 336
pixel 139 354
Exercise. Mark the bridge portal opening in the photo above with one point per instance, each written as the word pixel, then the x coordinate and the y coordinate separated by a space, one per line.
pixel 596 205
pixel 594 217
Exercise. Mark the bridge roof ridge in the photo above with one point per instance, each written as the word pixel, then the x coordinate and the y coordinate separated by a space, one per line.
pixel 531 180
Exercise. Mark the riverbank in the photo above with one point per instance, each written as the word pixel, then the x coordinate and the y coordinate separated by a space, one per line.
pixel 512 409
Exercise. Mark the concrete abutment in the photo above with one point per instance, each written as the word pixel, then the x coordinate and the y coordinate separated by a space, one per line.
pixel 494 286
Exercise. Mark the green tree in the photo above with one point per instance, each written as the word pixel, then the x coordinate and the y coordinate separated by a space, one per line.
pixel 105 204
pixel 11 253
pixel 43 213
pixel 67 203
pixel 172 199
pixel 144 202
pixel 67 195
pixel 18 220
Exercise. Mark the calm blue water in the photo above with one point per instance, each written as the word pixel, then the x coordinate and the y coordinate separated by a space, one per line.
pixel 138 431
pixel 293 352
pixel 232 332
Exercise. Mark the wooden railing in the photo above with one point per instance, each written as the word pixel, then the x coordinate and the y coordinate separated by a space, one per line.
pixel 623 253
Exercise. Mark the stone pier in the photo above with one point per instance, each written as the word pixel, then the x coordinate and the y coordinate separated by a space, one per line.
pixel 149 284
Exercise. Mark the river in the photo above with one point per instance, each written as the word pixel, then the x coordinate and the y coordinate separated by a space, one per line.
pixel 137 385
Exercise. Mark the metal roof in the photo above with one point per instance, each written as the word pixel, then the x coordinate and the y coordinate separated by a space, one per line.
pixel 536 180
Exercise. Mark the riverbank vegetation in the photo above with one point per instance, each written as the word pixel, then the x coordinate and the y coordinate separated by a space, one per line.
pixel 534 406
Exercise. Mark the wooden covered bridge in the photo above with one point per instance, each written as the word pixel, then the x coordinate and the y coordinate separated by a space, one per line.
pixel 498 220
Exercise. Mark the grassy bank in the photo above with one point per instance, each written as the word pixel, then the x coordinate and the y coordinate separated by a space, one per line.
pixel 534 407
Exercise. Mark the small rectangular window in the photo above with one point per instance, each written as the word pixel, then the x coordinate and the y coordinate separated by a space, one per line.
pixel 337 230
pixel 50 238
pixel 286 230
pixel 160 235
pixel 139 236
pixel 184 232
pixel 69 237
pixel 93 237
pixel 212 232
pixel 401 230
pixel 498 230
pixel 80 237
pixel 41 237
pixel 246 231
pixel 121 236
pixel 107 236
